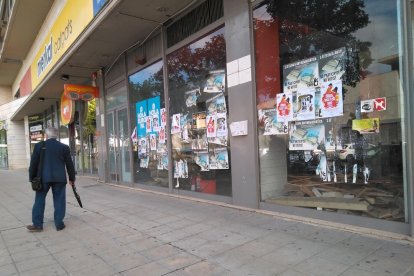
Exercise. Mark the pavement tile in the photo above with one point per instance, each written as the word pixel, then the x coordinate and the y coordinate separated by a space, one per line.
pixel 197 228
pixel 190 243
pixel 381 264
pixel 50 270
pixel 28 254
pixel 161 252
pixel 153 268
pixel 210 249
pixel 158 230
pixel 204 268
pixel 62 246
pixel 292 272
pixel 144 244
pixel 127 261
pixel 257 248
pixel 5 258
pixel 358 272
pixel 8 270
pixel 294 252
pixel 261 267
pixel 232 259
pixel 359 241
pixel 35 263
pixel 329 236
pixel 24 247
pixel 321 267
pixel 344 254
pixel 179 261
pixel 180 224
pixel 131 238
pixel 174 235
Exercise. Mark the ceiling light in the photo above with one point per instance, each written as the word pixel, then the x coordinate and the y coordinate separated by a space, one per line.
pixel 64 77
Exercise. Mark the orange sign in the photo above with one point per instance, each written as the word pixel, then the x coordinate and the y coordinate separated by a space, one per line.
pixel 67 110
pixel 80 92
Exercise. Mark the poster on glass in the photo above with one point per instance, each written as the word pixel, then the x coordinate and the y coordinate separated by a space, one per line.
pixel 215 82
pixel 300 74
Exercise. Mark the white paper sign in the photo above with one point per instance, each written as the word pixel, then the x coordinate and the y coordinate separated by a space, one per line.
pixel 238 128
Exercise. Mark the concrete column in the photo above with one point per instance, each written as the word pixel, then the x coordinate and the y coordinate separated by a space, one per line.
pixel 242 102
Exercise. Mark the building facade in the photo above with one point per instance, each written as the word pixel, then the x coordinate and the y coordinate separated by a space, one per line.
pixel 251 103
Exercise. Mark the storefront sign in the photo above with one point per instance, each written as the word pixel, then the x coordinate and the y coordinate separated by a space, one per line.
pixel 70 23
pixel 67 110
pixel 80 92
pixel 36 128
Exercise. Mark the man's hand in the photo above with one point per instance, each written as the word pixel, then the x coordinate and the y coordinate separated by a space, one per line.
pixel 72 183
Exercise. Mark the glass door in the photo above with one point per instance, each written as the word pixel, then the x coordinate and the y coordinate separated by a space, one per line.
pixel 119 146
pixel 3 149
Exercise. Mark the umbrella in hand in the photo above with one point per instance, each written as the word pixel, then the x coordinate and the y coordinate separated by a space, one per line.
pixel 77 196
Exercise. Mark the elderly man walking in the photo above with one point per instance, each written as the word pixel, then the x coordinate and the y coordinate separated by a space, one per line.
pixel 56 158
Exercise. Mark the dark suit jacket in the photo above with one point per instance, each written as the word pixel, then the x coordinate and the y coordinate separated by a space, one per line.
pixel 56 159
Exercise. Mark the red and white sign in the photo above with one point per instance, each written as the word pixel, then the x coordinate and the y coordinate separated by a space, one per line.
pixel 380 104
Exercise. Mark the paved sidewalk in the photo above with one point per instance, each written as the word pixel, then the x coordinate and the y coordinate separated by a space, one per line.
pixel 128 232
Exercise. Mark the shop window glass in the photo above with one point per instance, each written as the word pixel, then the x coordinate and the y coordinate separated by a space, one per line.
pixel 199 112
pixel 329 100
pixel 148 123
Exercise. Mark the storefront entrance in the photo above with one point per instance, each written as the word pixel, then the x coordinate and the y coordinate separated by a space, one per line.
pixel 119 146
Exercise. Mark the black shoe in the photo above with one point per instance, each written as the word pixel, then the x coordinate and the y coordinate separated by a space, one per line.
pixel 60 228
pixel 33 228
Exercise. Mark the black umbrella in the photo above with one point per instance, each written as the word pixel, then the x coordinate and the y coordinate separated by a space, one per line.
pixel 77 196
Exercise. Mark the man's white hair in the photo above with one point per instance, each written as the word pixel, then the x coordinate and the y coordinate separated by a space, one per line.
pixel 52 132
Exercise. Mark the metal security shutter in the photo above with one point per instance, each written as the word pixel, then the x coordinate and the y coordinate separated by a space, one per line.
pixel 203 15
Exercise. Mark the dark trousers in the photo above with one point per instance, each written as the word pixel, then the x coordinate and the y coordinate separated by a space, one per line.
pixel 59 203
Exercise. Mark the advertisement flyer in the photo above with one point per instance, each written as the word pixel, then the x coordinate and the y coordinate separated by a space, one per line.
pixel 330 101
pixel 300 74
pixel 211 125
pixel 366 126
pixel 184 128
pixel 161 135
pixel 305 104
pixel 180 169
pixel 161 148
pixel 306 135
pixel 142 147
pixel 221 125
pixel 222 158
pixel 163 117
pixel 143 163
pixel 216 104
pixel 141 109
pixel 222 141
pixel 191 97
pixel 202 160
pixel 332 65
pixel 154 113
pixel 216 82
pixel 284 107
pixel 148 124
pixel 268 119
pixel 212 160
pixel 199 120
pixel 199 141
pixel 153 141
pixel 176 124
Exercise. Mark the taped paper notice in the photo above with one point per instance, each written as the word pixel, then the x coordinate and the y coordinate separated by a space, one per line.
pixel 238 128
